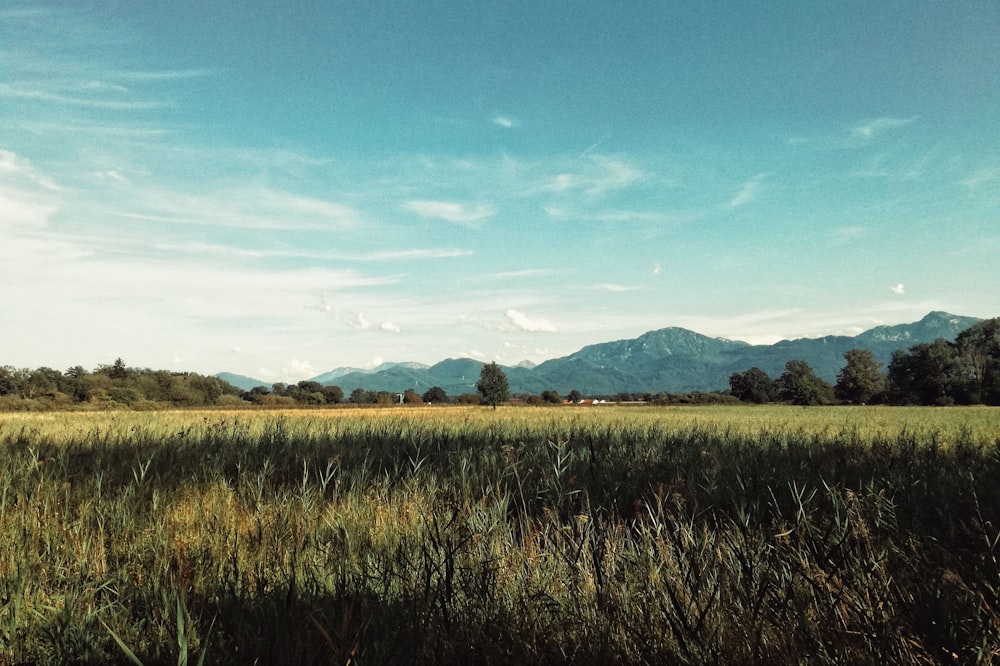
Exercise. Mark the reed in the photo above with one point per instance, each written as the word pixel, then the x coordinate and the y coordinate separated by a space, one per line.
pixel 463 535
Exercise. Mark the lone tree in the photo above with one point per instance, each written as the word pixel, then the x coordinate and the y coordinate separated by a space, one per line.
pixel 860 381
pixel 799 385
pixel 754 385
pixel 492 385
pixel 435 394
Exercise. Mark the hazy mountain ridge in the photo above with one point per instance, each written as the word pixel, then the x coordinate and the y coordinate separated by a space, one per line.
pixel 336 373
pixel 670 359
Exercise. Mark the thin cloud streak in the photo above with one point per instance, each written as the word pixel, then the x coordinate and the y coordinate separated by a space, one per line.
pixel 450 211
pixel 869 129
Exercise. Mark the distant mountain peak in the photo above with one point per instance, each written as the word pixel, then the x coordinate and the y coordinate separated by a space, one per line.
pixel 671 359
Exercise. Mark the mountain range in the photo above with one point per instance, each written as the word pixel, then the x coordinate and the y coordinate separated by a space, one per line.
pixel 674 360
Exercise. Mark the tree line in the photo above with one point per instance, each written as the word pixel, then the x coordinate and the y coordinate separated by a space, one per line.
pixel 963 372
pixel 110 386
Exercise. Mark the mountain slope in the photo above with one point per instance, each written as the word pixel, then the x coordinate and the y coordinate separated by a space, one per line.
pixel 241 381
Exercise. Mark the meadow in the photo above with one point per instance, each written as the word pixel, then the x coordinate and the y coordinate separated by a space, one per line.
pixel 464 535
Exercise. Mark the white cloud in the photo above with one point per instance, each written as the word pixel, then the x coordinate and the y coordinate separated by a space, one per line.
pixel 525 323
pixel 20 209
pixel 450 211
pixel 294 371
pixel 899 289
pixel 360 321
pixel 504 122
pixel 389 327
pixel 657 269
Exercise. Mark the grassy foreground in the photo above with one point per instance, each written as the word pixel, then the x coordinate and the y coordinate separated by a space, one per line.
pixel 467 536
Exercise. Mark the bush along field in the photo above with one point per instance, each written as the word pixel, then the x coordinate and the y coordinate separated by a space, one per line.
pixel 772 535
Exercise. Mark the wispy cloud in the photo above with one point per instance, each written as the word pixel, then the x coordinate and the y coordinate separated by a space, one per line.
pixel 849 234
pixel 596 175
pixel 244 208
pixel 870 128
pixel 416 253
pixel 748 191
pixel 526 273
pixel 164 75
pixel 504 122
pixel 898 289
pixel 28 198
pixel 613 288
pixel 42 95
pixel 985 176
pixel 450 211
pixel 15 168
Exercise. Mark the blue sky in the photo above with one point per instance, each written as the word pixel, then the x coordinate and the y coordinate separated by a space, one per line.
pixel 278 189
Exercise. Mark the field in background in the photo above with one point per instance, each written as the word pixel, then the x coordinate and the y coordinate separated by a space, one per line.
pixel 579 535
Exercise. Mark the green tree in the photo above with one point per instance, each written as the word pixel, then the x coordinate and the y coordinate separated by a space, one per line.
pixel 118 370
pixel 979 362
pixel 926 374
pixel 493 385
pixel 8 381
pixel 754 385
pixel 574 396
pixel 310 398
pixel 552 397
pixel 310 386
pixel 435 394
pixel 333 394
pixel 74 383
pixel 411 397
pixel 861 380
pixel 799 385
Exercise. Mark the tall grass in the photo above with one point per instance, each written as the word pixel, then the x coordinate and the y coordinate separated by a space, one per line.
pixel 583 536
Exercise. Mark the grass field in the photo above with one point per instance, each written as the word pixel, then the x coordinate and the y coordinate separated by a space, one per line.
pixel 568 535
